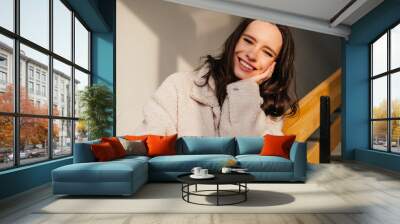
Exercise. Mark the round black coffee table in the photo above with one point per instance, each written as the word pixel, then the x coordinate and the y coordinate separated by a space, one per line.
pixel 238 179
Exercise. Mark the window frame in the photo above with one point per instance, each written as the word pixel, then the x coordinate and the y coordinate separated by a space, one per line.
pixel 3 77
pixel 16 115
pixel 388 74
pixel 3 70
pixel 6 61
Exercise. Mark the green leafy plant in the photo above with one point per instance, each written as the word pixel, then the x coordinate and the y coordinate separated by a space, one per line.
pixel 96 102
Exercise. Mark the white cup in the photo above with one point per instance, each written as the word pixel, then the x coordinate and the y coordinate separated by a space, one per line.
pixel 226 170
pixel 203 172
pixel 196 170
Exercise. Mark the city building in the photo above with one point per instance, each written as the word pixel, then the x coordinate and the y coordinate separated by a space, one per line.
pixel 34 81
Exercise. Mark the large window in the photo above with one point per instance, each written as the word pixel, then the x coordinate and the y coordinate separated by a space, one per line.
pixel 385 91
pixel 44 64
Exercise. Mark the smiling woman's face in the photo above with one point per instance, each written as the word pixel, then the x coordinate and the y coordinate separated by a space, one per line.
pixel 257 49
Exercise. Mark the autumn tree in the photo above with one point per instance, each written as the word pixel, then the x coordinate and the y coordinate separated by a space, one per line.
pixel 395 123
pixel 380 127
pixel 33 131
pixel 6 122
pixel 81 129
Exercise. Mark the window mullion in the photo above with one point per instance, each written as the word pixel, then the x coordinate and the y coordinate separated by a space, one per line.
pixel 371 89
pixel 89 62
pixel 16 84
pixel 73 82
pixel 50 81
pixel 389 95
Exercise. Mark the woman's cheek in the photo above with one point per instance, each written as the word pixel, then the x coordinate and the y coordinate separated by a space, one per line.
pixel 263 70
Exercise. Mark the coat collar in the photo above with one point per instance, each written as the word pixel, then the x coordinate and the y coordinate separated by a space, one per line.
pixel 204 94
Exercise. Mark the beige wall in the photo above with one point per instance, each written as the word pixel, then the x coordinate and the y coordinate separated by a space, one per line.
pixel 155 39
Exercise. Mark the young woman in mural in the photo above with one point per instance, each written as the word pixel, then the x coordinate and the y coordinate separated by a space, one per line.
pixel 244 91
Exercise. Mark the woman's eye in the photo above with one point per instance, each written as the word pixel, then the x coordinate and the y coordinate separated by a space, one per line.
pixel 247 40
pixel 268 53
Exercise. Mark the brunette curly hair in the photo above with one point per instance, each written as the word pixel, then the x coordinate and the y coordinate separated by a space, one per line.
pixel 278 92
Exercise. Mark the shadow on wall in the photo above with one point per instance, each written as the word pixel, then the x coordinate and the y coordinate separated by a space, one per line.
pixel 104 81
pixel 182 30
pixel 317 57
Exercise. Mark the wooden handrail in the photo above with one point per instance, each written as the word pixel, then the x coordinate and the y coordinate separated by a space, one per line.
pixel 313 154
pixel 306 121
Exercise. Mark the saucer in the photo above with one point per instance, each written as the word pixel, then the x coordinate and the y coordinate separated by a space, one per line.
pixel 240 171
pixel 208 176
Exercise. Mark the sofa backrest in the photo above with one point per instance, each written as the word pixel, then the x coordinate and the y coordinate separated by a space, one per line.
pixel 191 145
pixel 83 152
pixel 249 145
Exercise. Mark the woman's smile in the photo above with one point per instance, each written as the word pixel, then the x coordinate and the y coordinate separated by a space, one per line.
pixel 245 66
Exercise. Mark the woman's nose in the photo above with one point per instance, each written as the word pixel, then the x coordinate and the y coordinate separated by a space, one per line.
pixel 252 54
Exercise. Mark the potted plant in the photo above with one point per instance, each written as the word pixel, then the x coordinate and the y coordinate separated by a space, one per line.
pixel 96 102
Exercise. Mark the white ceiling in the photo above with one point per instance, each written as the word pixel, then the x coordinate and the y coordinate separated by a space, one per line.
pixel 314 15
pixel 320 9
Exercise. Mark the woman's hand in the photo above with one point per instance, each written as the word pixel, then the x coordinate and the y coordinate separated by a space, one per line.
pixel 264 76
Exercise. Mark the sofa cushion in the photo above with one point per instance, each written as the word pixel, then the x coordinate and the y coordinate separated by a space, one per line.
pixel 116 145
pixel 191 145
pixel 161 145
pixel 257 163
pixel 249 145
pixel 136 137
pixel 132 158
pixel 277 145
pixel 185 163
pixel 111 171
pixel 93 172
pixel 134 147
pixel 103 152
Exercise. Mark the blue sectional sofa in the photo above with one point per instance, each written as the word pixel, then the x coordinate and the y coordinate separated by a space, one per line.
pixel 125 176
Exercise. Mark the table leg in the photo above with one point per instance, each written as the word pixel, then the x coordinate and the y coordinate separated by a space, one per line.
pixel 188 189
pixel 196 188
pixel 182 188
pixel 245 193
pixel 217 194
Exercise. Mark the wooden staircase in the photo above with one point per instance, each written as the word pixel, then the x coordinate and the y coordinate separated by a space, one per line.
pixel 307 120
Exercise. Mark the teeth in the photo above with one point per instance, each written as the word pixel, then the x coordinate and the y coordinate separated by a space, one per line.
pixel 246 64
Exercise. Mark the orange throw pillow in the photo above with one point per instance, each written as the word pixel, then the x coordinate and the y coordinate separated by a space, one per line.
pixel 161 145
pixel 103 152
pixel 277 145
pixel 116 145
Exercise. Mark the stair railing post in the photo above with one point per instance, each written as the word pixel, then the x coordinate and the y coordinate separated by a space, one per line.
pixel 325 130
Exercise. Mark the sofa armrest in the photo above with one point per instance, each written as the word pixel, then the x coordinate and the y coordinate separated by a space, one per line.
pixel 298 155
pixel 83 152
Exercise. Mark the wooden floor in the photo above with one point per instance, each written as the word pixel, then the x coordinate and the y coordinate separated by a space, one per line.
pixel 353 182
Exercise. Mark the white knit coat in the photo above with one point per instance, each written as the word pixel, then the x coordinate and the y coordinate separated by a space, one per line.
pixel 181 106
